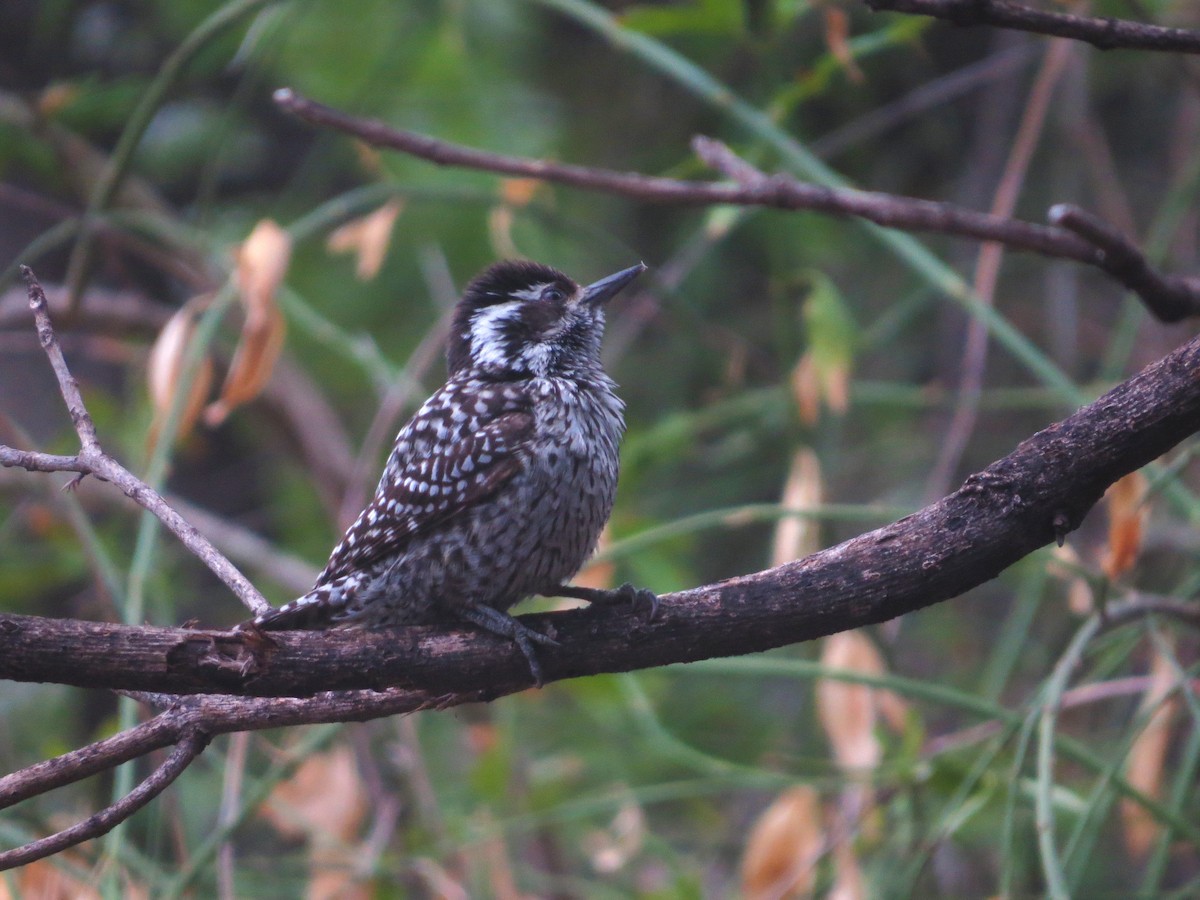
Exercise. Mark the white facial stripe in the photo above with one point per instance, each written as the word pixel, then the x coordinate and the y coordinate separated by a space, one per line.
pixel 487 332
pixel 532 293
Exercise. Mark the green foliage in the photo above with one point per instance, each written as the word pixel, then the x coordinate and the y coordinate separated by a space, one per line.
pixel 644 784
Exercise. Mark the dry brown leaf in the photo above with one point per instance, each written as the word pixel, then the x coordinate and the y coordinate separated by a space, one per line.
pixel 325 803
pixel 56 97
pixel 1144 765
pixel 262 264
pixel 325 800
pixel 368 237
pixel 784 847
pixel 44 880
pixel 848 885
pixel 848 711
pixel 500 223
pixel 1127 514
pixel 519 191
pixel 253 362
pixel 612 848
pixel 1066 565
pixel 806 389
pixel 837 38
pixel 50 879
pixel 164 367
pixel 798 536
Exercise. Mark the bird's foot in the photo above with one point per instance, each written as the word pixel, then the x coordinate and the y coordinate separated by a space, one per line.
pixel 502 624
pixel 626 595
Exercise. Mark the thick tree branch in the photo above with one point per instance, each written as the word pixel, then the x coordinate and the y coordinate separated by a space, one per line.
pixel 1029 498
pixel 1103 32
pixel 753 188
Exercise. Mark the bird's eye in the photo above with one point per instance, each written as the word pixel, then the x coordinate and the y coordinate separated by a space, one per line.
pixel 553 295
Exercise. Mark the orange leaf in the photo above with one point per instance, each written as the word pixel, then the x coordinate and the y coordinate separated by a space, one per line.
pixel 798 536
pixel 837 38
pixel 519 191
pixel 325 799
pixel 164 368
pixel 1144 765
pixel 784 846
pixel 806 389
pixel 1127 514
pixel 368 237
pixel 325 803
pixel 500 223
pixel 848 711
pixel 253 362
pixel 262 264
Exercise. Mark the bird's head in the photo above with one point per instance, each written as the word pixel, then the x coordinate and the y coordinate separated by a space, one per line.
pixel 524 318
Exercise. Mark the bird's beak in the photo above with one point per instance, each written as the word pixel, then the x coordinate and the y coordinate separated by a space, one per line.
pixel 606 288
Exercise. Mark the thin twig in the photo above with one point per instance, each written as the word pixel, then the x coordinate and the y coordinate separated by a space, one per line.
pixel 987 269
pixel 1169 297
pixel 111 816
pixel 189 725
pixel 92 460
pixel 1103 32
pixel 775 191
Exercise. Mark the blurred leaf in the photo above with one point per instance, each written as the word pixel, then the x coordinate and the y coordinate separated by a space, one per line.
pixel 784 846
pixel 164 369
pixel 325 803
pixel 1128 511
pixel 611 849
pixel 368 238
pixel 837 34
pixel 262 265
pixel 848 711
pixel 822 375
pixel 798 536
pixel 1148 755
pixel 724 18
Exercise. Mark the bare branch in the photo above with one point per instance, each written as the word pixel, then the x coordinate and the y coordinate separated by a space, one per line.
pixel 1033 496
pixel 753 188
pixel 92 460
pixel 111 816
pixel 1168 298
pixel 189 724
pixel 1103 32
pixel 80 418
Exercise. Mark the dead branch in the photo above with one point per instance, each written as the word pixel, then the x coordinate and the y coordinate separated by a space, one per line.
pixel 753 188
pixel 92 460
pixel 188 748
pixel 1169 298
pixel 1103 32
pixel 188 725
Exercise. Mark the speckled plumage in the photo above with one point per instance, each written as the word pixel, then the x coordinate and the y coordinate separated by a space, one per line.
pixel 499 485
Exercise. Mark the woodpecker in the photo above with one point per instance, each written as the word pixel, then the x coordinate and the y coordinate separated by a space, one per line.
pixel 498 487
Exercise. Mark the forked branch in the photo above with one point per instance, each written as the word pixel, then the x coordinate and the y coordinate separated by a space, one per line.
pixel 1103 32
pixel 92 460
pixel 1170 298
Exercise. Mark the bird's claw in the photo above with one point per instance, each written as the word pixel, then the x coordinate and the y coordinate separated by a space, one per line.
pixel 638 598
